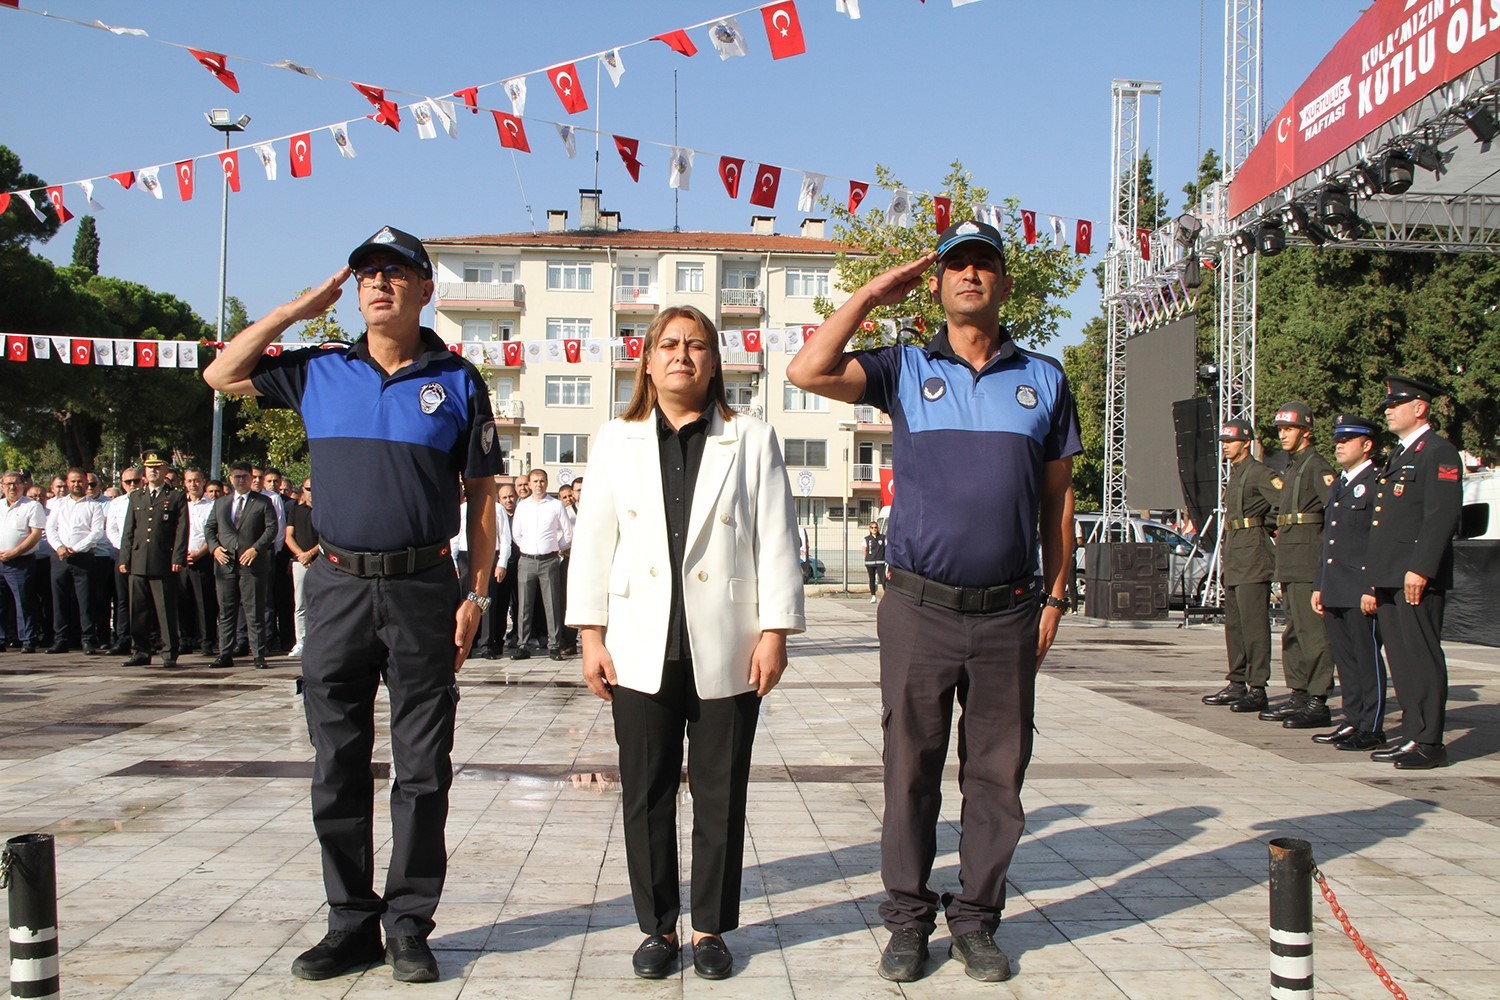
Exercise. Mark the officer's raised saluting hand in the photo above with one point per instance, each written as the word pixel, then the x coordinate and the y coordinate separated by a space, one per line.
pixel 892 286
pixel 317 301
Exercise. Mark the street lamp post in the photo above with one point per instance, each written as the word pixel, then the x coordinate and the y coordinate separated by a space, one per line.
pixel 219 119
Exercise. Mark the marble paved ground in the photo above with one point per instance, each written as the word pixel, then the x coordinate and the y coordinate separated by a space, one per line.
pixel 187 866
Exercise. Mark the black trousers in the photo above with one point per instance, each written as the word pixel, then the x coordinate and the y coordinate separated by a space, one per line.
pixel 153 603
pixel 490 637
pixel 199 577
pixel 1247 633
pixel 1413 646
pixel 72 599
pixel 930 656
pixel 241 589
pixel 360 631
pixel 720 733
pixel 875 571
pixel 111 600
pixel 1355 639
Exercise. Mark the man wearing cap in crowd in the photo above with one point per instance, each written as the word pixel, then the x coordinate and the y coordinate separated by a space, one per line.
pixel 977 416
pixel 153 550
pixel 384 599
pixel 1341 588
pixel 1306 663
pixel 1248 560
pixel 1418 500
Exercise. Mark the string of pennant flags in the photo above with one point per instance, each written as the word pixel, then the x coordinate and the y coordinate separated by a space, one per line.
pixel 785 39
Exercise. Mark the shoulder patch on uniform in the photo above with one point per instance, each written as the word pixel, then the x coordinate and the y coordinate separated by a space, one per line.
pixel 1276 482
pixel 934 389
pixel 487 437
pixel 1448 473
pixel 1327 479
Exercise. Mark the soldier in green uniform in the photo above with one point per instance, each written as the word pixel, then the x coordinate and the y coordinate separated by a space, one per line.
pixel 1306 660
pixel 1248 559
pixel 153 550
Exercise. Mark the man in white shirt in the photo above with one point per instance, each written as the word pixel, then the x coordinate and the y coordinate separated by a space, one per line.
pixel 75 526
pixel 114 628
pixel 487 642
pixel 198 575
pixel 542 530
pixel 22 524
pixel 279 601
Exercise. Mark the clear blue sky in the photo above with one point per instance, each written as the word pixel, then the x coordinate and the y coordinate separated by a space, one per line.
pixel 1019 91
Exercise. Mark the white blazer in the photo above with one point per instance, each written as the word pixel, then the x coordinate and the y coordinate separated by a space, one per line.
pixel 740 573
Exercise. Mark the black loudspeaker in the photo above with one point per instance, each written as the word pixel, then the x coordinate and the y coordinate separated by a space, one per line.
pixel 1197 456
pixel 1126 581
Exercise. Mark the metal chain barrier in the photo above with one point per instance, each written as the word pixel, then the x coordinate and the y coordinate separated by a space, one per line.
pixel 5 868
pixel 1353 935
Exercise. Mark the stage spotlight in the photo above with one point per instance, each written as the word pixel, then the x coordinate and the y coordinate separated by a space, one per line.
pixel 1187 228
pixel 1244 242
pixel 1429 157
pixel 1334 207
pixel 1271 238
pixel 1363 179
pixel 1482 123
pixel 1395 171
pixel 1208 374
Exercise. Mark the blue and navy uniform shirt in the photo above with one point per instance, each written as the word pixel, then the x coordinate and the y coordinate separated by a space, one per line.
pixel 969 447
pixel 387 451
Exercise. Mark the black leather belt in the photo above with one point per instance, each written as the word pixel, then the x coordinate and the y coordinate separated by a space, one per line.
pixel 373 565
pixel 965 600
pixel 544 555
pixel 1284 520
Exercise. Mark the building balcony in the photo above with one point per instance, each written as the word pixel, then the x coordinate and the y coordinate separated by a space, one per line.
pixel 473 294
pixel 742 360
pixel 748 410
pixel 865 476
pixel 618 407
pixel 739 301
pixel 637 298
pixel 871 418
pixel 508 411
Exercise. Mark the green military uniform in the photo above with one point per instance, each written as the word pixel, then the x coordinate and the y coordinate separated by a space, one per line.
pixel 1306 661
pixel 153 545
pixel 1249 561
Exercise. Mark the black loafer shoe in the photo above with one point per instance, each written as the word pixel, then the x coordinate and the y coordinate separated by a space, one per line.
pixel 411 961
pixel 1391 753
pixel 983 960
pixel 521 654
pixel 1360 740
pixel 655 958
pixel 556 654
pixel 1339 735
pixel 339 952
pixel 904 956
pixel 261 664
pixel 1226 695
pixel 30 647
pixel 1423 757
pixel 138 660
pixel 1254 701
pixel 711 958
pixel 60 647
pixel 222 662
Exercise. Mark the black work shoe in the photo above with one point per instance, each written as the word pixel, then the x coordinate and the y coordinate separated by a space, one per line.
pixel 138 660
pixel 339 952
pixel 1339 735
pixel 1423 757
pixel 222 662
pixel 556 654
pixel 711 958
pixel 904 956
pixel 1227 695
pixel 261 664
pixel 982 958
pixel 1254 701
pixel 119 649
pixel 60 647
pixel 411 961
pixel 1361 740
pixel 655 958
pixel 29 647
pixel 1312 715
pixel 1286 709
pixel 522 653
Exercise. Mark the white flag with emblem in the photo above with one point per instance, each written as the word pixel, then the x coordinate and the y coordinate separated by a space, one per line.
pixel 1059 231
pixel 446 113
pixel 267 154
pixel 125 353
pixel 596 349
pixel 494 353
pixel 569 139
pixel 421 113
pixel 187 354
pixel 64 349
pixel 988 214
pixel 554 350
pixel 150 181
pixel 88 192
pixel 792 339
pixel 898 213
pixel 340 139
pixel 614 65
pixel 533 350
pixel 104 352
pixel 25 197
pixel 734 340
pixel 516 90
pixel 727 38
pixel 474 353
pixel 166 354
pixel 850 7
pixel 771 338
pixel 41 348
pixel 680 172
pixel 812 187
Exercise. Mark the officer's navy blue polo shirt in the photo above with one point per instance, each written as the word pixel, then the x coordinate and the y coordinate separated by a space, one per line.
pixel 387 452
pixel 969 448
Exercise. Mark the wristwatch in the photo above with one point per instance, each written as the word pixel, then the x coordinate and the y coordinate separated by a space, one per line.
pixel 482 602
pixel 1057 602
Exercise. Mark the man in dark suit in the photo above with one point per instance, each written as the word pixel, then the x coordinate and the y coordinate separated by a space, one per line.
pixel 1341 588
pixel 1417 505
pixel 240 533
pixel 153 549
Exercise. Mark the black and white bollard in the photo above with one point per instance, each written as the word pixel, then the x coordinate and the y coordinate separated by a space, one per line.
pixel 30 869
pixel 1291 919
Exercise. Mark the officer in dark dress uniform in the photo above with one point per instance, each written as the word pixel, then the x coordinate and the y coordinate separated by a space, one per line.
pixel 1306 662
pixel 1341 591
pixel 153 549
pixel 1417 506
pixel 1249 558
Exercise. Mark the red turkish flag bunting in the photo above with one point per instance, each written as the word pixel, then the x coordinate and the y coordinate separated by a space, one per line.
pixel 15 347
pixel 628 148
pixel 1083 238
pixel 185 180
pixel 857 192
pixel 783 29
pixel 273 350
pixel 145 354
pixel 54 195
pixel 730 170
pixel 214 62
pixel 512 131
pixel 229 162
pixel 677 41
pixel 301 152
pixel 456 348
pixel 633 346
pixel 1028 225
pixel 386 112
pixel 565 81
pixel 82 351
pixel 751 340
pixel 767 180
pixel 4 201
pixel 573 350
pixel 942 211
pixel 1143 237
pixel 512 350
pixel 124 178
pixel 471 98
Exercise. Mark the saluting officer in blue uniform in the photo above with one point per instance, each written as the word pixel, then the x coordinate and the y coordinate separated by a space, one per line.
pixel 397 408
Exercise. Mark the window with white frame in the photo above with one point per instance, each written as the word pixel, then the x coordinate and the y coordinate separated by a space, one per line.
pixel 742 277
pixel 807 282
pixel 479 272
pixel 505 329
pixel 635 277
pixel 569 390
pixel 570 276
pixel 795 400
pixel 633 329
pixel 477 329
pixel 812 452
pixel 568 328
pixel 565 449
pixel 690 276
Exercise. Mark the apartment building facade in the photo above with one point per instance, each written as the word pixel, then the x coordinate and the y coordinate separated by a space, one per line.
pixel 598 284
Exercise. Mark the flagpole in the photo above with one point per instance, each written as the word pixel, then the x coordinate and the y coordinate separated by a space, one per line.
pixel 596 124
pixel 219 119
pixel 676 191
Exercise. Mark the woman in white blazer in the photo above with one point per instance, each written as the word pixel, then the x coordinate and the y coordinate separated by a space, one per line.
pixel 684 585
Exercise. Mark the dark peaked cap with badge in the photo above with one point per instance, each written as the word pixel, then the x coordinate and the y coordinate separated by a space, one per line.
pixel 1349 425
pixel 970 232
pixel 153 457
pixel 1401 389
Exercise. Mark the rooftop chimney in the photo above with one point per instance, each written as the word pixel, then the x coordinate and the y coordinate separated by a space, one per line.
pixel 763 225
pixel 588 208
pixel 813 228
pixel 609 221
pixel 557 220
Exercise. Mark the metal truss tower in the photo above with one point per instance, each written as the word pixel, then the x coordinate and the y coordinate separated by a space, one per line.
pixel 1123 270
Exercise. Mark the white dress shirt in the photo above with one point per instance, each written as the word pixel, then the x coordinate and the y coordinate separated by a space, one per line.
pixel 199 511
pixel 278 504
pixel 460 541
pixel 17 519
pixel 116 509
pixel 75 524
pixel 1354 473
pixel 541 526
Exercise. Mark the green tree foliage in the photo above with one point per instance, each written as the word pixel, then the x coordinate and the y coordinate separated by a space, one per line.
pixel 1084 365
pixel 1042 274
pixel 86 245
pixel 1210 171
pixel 18 226
pixel 281 431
